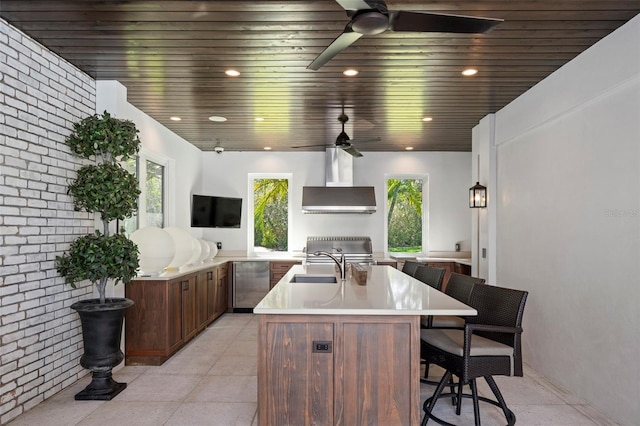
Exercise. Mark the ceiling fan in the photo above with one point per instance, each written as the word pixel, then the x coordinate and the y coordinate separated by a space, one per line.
pixel 371 17
pixel 342 141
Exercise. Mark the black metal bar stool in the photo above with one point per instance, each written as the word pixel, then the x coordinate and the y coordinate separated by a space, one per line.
pixel 489 345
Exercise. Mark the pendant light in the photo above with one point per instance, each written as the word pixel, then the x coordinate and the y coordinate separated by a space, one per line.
pixel 478 193
pixel 478 196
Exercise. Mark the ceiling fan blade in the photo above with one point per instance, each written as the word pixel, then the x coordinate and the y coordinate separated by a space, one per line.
pixel 405 21
pixel 354 4
pixel 350 149
pixel 366 140
pixel 312 146
pixel 344 40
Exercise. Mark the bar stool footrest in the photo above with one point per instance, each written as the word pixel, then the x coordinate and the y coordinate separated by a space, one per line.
pixel 510 417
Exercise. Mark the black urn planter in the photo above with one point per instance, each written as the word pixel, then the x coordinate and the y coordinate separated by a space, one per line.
pixel 101 334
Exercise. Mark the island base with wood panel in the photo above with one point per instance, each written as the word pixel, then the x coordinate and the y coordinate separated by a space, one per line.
pixel 349 370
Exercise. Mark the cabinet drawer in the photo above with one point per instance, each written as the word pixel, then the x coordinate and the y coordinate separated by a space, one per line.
pixel 277 276
pixel 281 267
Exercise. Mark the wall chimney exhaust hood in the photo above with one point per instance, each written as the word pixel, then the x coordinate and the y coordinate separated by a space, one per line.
pixel 338 195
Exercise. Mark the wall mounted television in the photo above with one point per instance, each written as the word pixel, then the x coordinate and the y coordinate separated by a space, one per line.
pixel 215 212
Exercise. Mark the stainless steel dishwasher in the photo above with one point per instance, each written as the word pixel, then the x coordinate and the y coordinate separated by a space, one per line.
pixel 250 284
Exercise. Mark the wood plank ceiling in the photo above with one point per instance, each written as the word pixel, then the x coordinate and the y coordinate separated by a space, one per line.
pixel 172 57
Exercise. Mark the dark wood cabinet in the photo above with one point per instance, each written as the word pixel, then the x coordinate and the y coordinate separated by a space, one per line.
pixel 221 300
pixel 278 269
pixel 147 313
pixel 169 312
pixel 189 326
pixel 391 263
pixel 360 359
pixel 212 285
pixel 204 298
pixel 461 268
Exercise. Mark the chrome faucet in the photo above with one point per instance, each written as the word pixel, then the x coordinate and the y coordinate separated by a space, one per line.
pixel 340 262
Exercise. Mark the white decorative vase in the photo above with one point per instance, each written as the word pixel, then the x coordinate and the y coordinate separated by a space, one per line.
pixel 184 247
pixel 156 249
pixel 204 253
pixel 196 250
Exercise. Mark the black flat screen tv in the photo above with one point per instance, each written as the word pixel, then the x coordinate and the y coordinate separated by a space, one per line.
pixel 215 212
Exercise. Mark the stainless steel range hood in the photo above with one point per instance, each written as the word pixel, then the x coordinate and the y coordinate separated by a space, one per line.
pixel 339 195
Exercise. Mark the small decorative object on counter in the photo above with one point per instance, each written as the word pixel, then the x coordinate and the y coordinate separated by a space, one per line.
pixel 359 273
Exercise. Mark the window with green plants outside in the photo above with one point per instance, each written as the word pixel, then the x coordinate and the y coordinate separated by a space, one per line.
pixel 405 215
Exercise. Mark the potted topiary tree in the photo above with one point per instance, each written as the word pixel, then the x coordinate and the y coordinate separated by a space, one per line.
pixel 103 187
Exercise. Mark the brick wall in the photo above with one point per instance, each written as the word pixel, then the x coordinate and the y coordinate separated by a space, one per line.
pixel 40 337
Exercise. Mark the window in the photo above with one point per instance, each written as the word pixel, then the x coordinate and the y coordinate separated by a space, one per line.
pixel 405 208
pixel 154 194
pixel 153 203
pixel 130 224
pixel 269 201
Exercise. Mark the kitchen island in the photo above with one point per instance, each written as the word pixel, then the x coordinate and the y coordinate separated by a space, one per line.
pixel 342 353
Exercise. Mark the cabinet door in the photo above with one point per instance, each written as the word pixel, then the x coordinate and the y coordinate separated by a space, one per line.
pixel 189 307
pixel 375 358
pixel 201 300
pixel 212 289
pixel 301 391
pixel 174 314
pixel 222 291
pixel 462 269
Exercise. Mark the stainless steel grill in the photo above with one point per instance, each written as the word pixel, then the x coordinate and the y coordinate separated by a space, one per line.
pixel 355 249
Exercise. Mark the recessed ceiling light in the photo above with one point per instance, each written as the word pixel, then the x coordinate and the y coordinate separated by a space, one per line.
pixel 174 118
pixel 232 73
pixel 217 118
pixel 427 119
pixel 470 71
pixel 350 72
pixel 259 119
pixel 267 148
pixel 409 148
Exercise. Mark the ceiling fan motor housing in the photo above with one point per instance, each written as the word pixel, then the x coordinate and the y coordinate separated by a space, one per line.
pixel 370 22
pixel 343 138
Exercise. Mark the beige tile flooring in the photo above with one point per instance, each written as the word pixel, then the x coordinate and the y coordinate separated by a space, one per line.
pixel 212 381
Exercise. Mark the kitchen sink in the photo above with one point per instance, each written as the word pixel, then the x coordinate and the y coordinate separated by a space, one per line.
pixel 316 279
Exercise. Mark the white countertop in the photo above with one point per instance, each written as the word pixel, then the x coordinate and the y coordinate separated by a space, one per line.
pixel 387 292
pixel 418 258
pixel 218 260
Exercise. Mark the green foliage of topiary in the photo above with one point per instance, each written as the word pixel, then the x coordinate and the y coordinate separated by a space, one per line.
pixel 96 257
pixel 107 189
pixel 104 136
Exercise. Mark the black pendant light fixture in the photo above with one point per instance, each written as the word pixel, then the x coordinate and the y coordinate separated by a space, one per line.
pixel 478 193
pixel 478 196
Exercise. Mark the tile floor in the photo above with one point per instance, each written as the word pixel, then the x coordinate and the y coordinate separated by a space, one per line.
pixel 212 381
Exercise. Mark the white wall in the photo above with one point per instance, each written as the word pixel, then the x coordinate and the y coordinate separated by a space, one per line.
pixel 226 174
pixel 448 173
pixel 568 229
pixel 155 138
pixel 183 159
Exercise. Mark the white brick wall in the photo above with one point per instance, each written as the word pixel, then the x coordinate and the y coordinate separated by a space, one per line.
pixel 41 96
